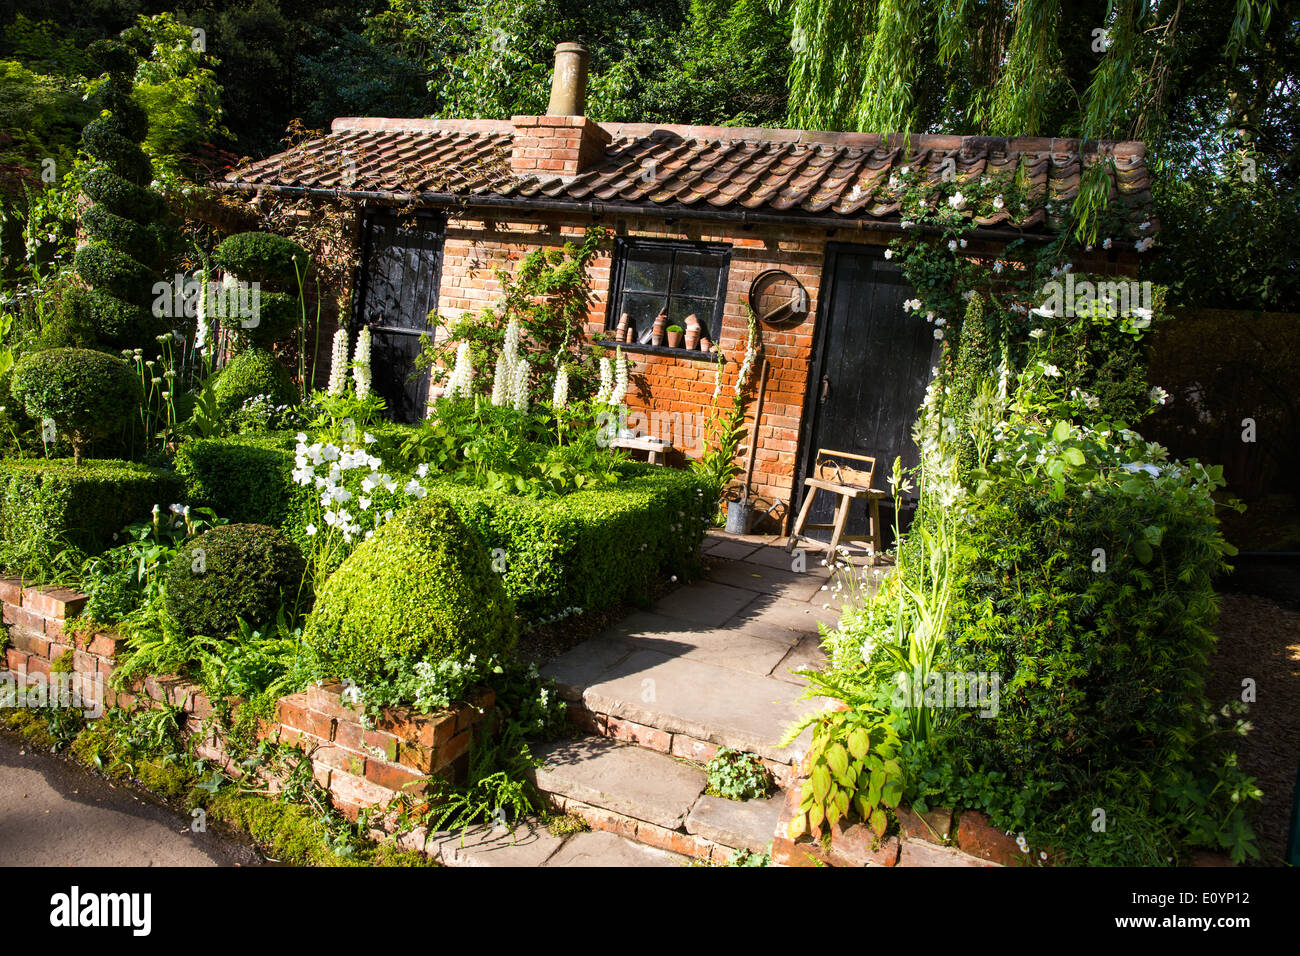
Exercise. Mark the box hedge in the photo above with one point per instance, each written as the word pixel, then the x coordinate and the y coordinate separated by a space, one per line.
pixel 245 479
pixel 589 549
pixel 52 508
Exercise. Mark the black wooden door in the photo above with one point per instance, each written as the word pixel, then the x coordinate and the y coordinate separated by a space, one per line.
pixel 401 265
pixel 872 366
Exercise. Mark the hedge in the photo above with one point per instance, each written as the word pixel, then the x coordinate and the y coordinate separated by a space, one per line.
pixel 589 549
pixel 244 479
pixel 50 508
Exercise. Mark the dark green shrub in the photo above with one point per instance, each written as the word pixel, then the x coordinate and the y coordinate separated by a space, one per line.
pixel 589 549
pixel 92 316
pixel 135 240
pixel 128 213
pixel 87 394
pixel 246 479
pixel 277 319
pixel 263 257
pixel 121 197
pixel 235 572
pixel 103 140
pixel 53 508
pixel 422 588
pixel 253 372
pixel 116 273
pixel 111 56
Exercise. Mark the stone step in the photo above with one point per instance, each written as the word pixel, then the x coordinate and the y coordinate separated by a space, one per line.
pixel 653 799
pixel 530 844
pixel 683 696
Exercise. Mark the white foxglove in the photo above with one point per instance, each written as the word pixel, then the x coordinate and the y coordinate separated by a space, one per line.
pixel 502 380
pixel 338 363
pixel 361 363
pixel 560 397
pixel 620 379
pixel 606 382
pixel 519 387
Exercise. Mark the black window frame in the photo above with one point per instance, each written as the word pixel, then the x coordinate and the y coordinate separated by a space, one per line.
pixel 624 246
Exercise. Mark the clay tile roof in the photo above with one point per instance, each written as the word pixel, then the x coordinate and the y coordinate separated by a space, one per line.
pixel 781 174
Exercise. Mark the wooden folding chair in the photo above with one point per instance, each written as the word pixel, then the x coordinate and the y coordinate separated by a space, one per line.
pixel 849 483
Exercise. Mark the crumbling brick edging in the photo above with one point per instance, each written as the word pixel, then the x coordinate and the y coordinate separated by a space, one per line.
pixel 361 766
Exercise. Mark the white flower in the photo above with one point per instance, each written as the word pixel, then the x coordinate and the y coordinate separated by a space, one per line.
pixel 1051 371
pixel 1159 396
pixel 361 363
pixel 938 334
pixel 1037 333
pixel 998 202
pixel 957 200
pixel 997 266
pixel 460 384
pixel 501 380
pixel 310 529
pixel 338 363
pixel 412 487
pixel 889 253
pixel 519 387
pixel 560 395
pixel 1142 245
pixel 606 382
pixel 364 503
pixel 422 470
pixel 1106 243
pixel 952 245
pixel 620 379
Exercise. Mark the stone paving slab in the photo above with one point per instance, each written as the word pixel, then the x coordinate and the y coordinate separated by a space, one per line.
pixel 742 824
pixel 575 669
pixel 732 647
pixel 602 848
pixel 722 706
pixel 638 783
pixel 729 550
pixel 797 586
pixel 806 655
pixel 769 611
pixel 706 602
pixel 531 844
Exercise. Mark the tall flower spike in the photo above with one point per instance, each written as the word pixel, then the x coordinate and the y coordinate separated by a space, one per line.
pixel 361 363
pixel 606 382
pixel 620 379
pixel 560 397
pixel 519 387
pixel 461 382
pixel 338 363
pixel 502 380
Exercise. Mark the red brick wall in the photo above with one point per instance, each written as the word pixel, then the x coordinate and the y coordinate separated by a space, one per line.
pixel 668 384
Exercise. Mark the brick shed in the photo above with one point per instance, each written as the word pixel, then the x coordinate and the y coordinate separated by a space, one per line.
pixel 700 217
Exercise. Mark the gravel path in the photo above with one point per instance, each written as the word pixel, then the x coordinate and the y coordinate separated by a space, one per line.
pixel 1261 640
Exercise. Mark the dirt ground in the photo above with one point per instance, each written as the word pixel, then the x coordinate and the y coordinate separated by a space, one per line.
pixel 1260 639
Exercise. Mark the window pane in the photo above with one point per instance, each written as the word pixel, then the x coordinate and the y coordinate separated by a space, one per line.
pixel 641 310
pixel 647 269
pixel 682 307
pixel 696 274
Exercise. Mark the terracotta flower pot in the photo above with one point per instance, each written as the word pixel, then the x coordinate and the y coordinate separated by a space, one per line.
pixel 692 322
pixel 630 334
pixel 674 340
pixel 705 344
pixel 620 330
pixel 692 337
pixel 661 322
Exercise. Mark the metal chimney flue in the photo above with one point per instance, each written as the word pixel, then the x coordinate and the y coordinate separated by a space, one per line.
pixel 569 83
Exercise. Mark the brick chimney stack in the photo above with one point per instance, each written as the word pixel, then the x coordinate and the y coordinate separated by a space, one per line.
pixel 563 142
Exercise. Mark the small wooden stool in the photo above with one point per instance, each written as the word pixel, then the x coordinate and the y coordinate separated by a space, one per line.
pixel 849 483
pixel 656 449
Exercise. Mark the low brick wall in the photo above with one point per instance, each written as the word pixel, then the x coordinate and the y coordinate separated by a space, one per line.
pixel 362 766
